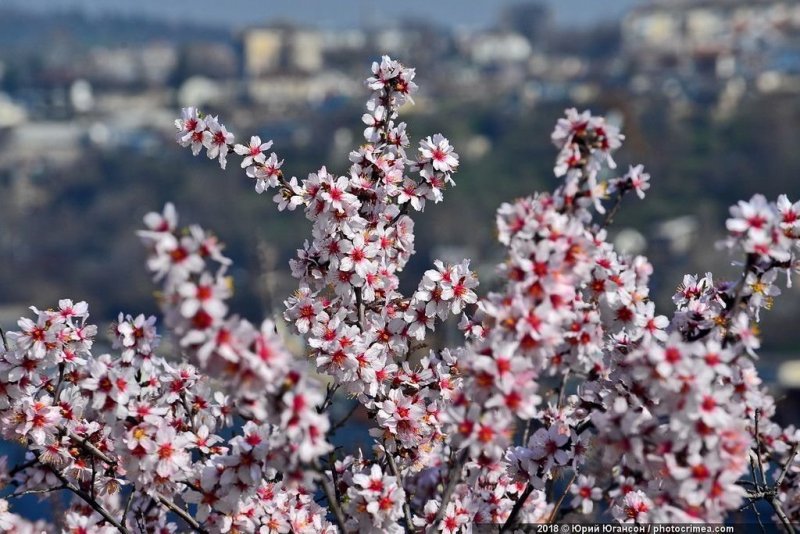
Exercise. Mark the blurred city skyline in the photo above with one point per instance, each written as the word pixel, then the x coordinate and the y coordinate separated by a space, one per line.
pixel 338 14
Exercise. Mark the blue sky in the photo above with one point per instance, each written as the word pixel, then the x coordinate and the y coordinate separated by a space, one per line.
pixel 333 13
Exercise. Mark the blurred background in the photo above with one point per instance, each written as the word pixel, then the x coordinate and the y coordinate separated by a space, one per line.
pixel 707 92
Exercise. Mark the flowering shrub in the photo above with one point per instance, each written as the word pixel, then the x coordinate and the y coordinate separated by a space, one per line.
pixel 569 398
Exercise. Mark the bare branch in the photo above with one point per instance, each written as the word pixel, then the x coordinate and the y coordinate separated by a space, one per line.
pixel 37 491
pixel 453 478
pixel 617 203
pixel 180 512
pixel 360 308
pixel 776 505
pixel 758 448
pixel 396 473
pixel 512 517
pixel 786 466
pixel 339 424
pixel 333 504
pixel 89 447
pixel 90 501
pixel 563 496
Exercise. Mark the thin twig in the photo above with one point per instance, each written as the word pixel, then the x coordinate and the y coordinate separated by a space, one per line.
pixel 180 512
pixel 761 490
pixel 330 392
pixel 360 308
pixel 88 446
pixel 94 478
pixel 562 388
pixel 334 475
pixel 339 424
pixel 128 502
pixel 754 474
pixel 776 506
pixel 36 491
pixel 758 517
pixel 563 495
pixel 512 517
pixel 787 465
pixel 333 504
pixel 189 414
pixel 61 369
pixel 396 474
pixel 91 502
pixel 758 448
pixel 617 203
pixel 527 432
pixel 737 297
pixel 453 478
pixel 22 467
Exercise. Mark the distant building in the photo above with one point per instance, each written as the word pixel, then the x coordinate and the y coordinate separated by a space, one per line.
pixel 23 144
pixel 694 35
pixel 261 49
pixel 151 64
pixel 498 47
pixel 268 51
pixel 304 50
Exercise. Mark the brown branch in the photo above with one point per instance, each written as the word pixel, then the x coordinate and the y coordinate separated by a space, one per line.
pixel 787 465
pixel 758 449
pixel 89 447
pixel 776 506
pixel 453 478
pixel 22 467
pixel 36 491
pixel 180 512
pixel 563 496
pixel 90 501
pixel 617 203
pixel 761 490
pixel 333 504
pixel 339 424
pixel 562 388
pixel 128 503
pixel 331 391
pixel 334 475
pixel 512 517
pixel 737 297
pixel 360 308
pixel 396 474
pixel 526 433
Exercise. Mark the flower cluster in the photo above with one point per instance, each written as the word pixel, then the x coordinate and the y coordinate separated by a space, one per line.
pixel 207 132
pixel 566 371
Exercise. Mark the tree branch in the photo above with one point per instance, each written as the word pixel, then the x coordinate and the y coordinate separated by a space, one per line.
pixel 333 504
pixel 91 502
pixel 563 496
pixel 396 474
pixel 453 478
pixel 89 447
pixel 617 203
pixel 180 512
pixel 512 517
pixel 786 466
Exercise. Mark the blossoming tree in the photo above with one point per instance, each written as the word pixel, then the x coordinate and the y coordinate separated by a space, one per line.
pixel 649 418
